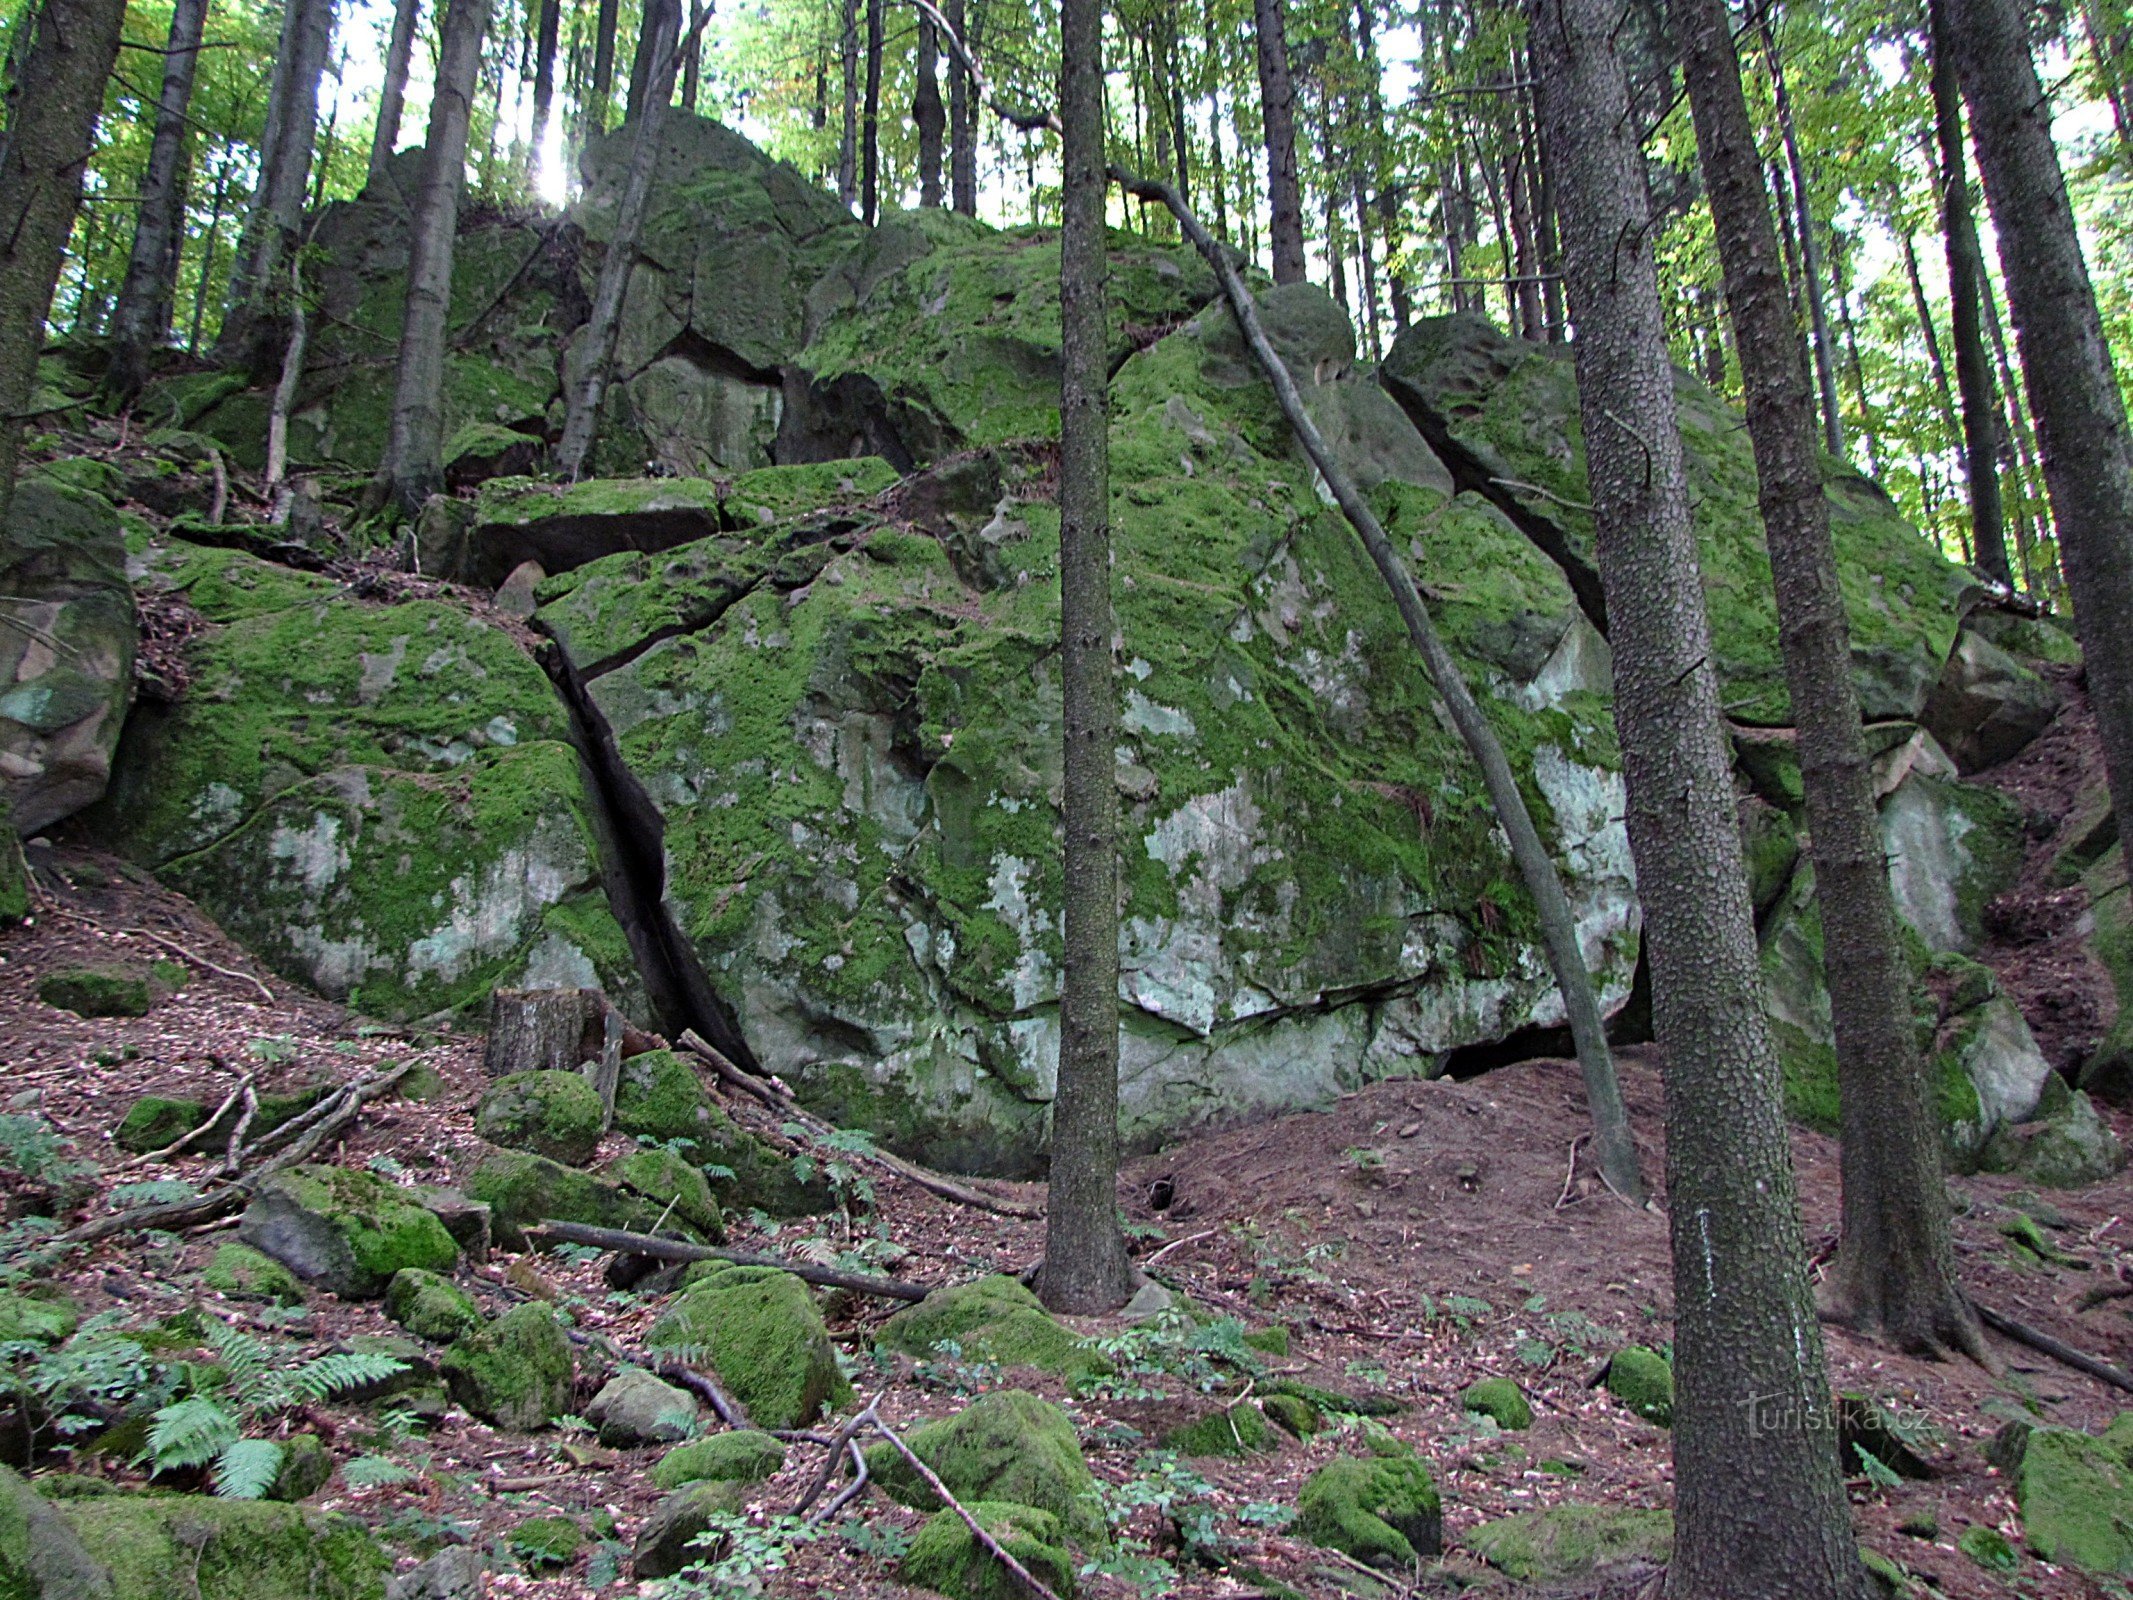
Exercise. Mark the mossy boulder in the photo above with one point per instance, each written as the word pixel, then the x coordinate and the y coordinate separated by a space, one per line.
pixel 667 1541
pixel 1570 1543
pixel 547 1544
pixel 1292 1414
pixel 947 1558
pixel 2075 1492
pixel 760 1330
pixel 242 1273
pixel 553 1114
pixel 98 992
pixel 431 1306
pixel 1382 1510
pixel 993 1319
pixel 1643 1380
pixel 516 1372
pixel 192 1547
pixel 41 1555
pixel 1239 1430
pixel 1500 1400
pixel 521 1189
pixel 48 1318
pixel 345 1230
pixel 1007 1445
pixel 678 1189
pixel 659 1097
pixel 741 1455
pixel 306 1464
pixel 2066 1146
pixel 634 1407
pixel 157 1121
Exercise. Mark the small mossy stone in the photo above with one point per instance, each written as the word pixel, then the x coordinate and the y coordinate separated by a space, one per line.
pixel 1007 1445
pixel 994 1319
pixel 97 992
pixel 1570 1542
pixel 552 1114
pixel 242 1273
pixel 1643 1380
pixel 1292 1415
pixel 634 1407
pixel 547 1544
pixel 947 1558
pixel 195 1547
pixel 763 1334
pixel 659 1097
pixel 36 1318
pixel 1989 1548
pixel 521 1189
pixel 1921 1523
pixel 422 1084
pixel 2076 1497
pixel 431 1306
pixel 667 1541
pixel 154 1122
pixel 1271 1340
pixel 1501 1401
pixel 306 1464
pixel 345 1230
pixel 670 1183
pixel 1382 1510
pixel 742 1455
pixel 1225 1431
pixel 1337 1402
pixel 516 1372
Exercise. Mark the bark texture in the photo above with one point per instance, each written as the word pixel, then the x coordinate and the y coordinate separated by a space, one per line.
pixel 870 121
pixel 52 105
pixel 392 94
pixel 928 114
pixel 2073 389
pixel 141 320
pixel 544 47
pixel 1085 1268
pixel 848 142
pixel 962 126
pixel 1896 1266
pixel 1277 102
pixel 1759 1502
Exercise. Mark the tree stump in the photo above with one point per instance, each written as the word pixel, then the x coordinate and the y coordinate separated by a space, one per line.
pixel 562 1030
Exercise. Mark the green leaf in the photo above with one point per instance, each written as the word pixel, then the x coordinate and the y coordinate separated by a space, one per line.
pixel 247 1468
pixel 190 1433
pixel 375 1472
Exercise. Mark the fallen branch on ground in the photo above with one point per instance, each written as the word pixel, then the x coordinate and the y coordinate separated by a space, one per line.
pixel 705 1387
pixel 999 1551
pixel 175 948
pixel 646 1244
pixel 192 1135
pixel 829 1462
pixel 2058 1349
pixel 771 1094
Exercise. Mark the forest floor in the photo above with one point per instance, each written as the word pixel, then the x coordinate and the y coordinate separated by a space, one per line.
pixel 1413 1237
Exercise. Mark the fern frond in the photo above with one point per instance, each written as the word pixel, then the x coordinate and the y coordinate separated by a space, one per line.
pixel 332 1374
pixel 246 1359
pixel 375 1472
pixel 247 1468
pixel 190 1433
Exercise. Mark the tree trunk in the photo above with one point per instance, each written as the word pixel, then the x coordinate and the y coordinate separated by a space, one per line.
pixel 2017 449
pixel 1277 102
pixel 1382 164
pixel 1931 335
pixel 1896 1266
pixel 210 237
pixel 52 105
pixel 277 212
pixel 692 62
pixel 602 100
pixel 848 143
pixel 2073 389
pixel 661 22
pixel 1085 1269
pixel 962 126
pixel 1966 270
pixel 142 320
pixel 594 357
pixel 927 114
pixel 1527 257
pixel 544 48
pixel 414 458
pixel 1759 1501
pixel 870 121
pixel 392 95
pixel 1810 249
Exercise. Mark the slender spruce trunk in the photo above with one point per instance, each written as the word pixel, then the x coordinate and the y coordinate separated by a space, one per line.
pixel 870 121
pixel 211 237
pixel 392 94
pixel 141 321
pixel 1896 1265
pixel 544 49
pixel 1277 102
pixel 2073 387
pixel 848 142
pixel 962 126
pixel 414 461
pixel 1966 271
pixel 661 22
pixel 53 100
pixel 692 63
pixel 602 100
pixel 928 115
pixel 1924 310
pixel 1759 1502
pixel 1085 1268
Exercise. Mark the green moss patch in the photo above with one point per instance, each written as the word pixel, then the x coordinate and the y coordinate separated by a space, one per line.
pixel 1643 1380
pixel 993 1319
pixel 347 1230
pixel 743 1455
pixel 552 1114
pixel 191 1547
pixel 516 1372
pixel 242 1273
pixel 97 992
pixel 760 1330
pixel 1239 1430
pixel 1008 1445
pixel 667 1181
pixel 430 1306
pixel 521 1189
pixel 1501 1401
pixel 1570 1542
pixel 947 1558
pixel 1382 1510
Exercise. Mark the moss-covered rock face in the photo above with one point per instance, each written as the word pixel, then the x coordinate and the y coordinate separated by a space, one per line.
pixel 1512 408
pixel 947 1558
pixel 66 660
pixel 521 1188
pixel 191 1547
pixel 97 992
pixel 743 1455
pixel 242 1273
pixel 1500 1400
pixel 1292 1414
pixel 1567 1543
pixel 431 1306
pixel 667 1181
pixel 994 1319
pixel 553 1114
pixel 1383 1510
pixel 155 1121
pixel 2076 1497
pixel 760 1330
pixel 380 800
pixel 1007 1445
pixel 516 1372
pixel 347 1231
pixel 659 1097
pixel 1643 1380
pixel 2066 1147
pixel 858 768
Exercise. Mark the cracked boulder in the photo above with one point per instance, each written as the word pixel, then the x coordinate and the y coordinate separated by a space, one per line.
pixel 379 799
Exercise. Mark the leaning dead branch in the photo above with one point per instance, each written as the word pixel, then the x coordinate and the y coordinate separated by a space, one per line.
pixel 998 1551
pixel 773 1094
pixel 820 1482
pixel 2057 1349
pixel 646 1244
